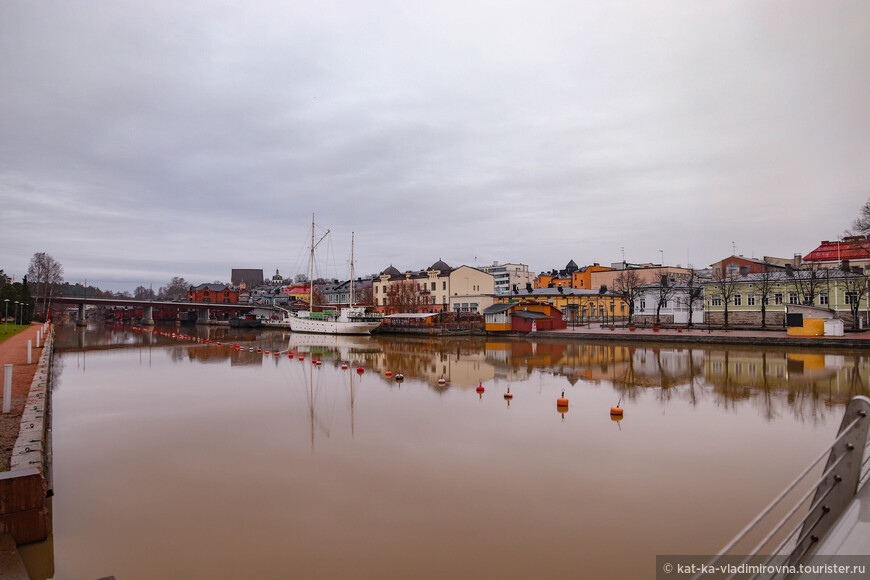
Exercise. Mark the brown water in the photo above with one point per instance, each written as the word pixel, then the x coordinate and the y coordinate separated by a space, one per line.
pixel 176 459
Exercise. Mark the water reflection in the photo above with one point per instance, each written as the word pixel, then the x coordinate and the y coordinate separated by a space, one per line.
pixel 182 457
pixel 735 373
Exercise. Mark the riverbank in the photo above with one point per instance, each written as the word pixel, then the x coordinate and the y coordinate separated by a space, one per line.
pixel 14 351
pixel 701 335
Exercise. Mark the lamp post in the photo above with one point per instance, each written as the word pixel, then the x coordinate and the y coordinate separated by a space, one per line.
pixel 6 316
pixel 15 314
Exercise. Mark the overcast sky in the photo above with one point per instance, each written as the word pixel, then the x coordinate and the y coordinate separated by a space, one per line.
pixel 144 140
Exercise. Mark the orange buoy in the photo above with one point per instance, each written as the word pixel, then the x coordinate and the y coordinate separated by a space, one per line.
pixel 562 401
pixel 301 357
pixel 389 373
pixel 616 411
pixel 480 388
pixel 267 352
pixel 508 395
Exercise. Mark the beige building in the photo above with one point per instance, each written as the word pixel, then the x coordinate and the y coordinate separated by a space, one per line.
pixel 648 274
pixel 435 289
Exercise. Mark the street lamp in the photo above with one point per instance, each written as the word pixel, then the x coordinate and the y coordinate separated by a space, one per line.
pixel 15 314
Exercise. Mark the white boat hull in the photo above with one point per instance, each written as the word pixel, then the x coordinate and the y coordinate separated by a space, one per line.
pixel 331 326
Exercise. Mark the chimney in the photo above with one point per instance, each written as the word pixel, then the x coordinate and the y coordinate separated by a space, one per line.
pixel 789 270
pixel 797 261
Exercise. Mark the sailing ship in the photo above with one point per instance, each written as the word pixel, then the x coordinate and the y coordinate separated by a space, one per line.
pixel 348 320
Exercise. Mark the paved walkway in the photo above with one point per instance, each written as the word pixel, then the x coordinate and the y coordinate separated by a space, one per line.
pixel 14 350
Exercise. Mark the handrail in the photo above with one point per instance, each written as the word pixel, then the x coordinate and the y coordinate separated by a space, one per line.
pixel 839 483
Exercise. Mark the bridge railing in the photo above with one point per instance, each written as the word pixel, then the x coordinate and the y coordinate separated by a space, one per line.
pixel 794 537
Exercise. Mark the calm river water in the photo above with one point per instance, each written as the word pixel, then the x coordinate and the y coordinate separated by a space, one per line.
pixel 180 459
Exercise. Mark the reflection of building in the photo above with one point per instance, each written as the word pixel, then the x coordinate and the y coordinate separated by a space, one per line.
pixel 739 373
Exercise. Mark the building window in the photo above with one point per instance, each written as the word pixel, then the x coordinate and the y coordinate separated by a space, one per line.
pixel 716 300
pixel 777 298
pixel 738 300
pixel 444 285
pixel 792 298
pixel 433 285
pixel 851 297
pixel 750 299
pixel 808 299
pixel 823 298
pixel 642 305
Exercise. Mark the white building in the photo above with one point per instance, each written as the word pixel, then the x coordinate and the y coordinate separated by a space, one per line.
pixel 506 276
pixel 675 309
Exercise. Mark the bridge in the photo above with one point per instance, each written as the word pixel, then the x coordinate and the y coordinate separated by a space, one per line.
pixel 202 309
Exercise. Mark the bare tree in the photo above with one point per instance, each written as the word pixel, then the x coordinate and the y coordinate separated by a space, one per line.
pixel 694 293
pixel 724 286
pixel 175 290
pixel 405 296
pixel 664 292
pixel 855 287
pixel 765 284
pixel 45 273
pixel 143 293
pixel 809 282
pixel 300 279
pixel 861 225
pixel 627 286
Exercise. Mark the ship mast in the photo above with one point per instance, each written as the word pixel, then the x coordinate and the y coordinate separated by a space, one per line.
pixel 350 301
pixel 311 262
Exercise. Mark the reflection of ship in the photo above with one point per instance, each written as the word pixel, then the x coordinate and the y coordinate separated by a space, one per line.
pixel 343 347
pixel 349 320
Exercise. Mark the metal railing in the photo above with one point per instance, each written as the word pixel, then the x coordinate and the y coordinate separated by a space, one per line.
pixel 846 471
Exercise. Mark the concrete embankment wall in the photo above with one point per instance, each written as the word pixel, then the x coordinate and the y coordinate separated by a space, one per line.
pixel 23 489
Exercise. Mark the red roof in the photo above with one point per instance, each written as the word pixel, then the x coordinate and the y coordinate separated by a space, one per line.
pixel 850 248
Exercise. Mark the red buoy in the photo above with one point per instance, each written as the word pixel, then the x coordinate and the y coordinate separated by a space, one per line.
pixel 508 395
pixel 480 388
pixel 360 370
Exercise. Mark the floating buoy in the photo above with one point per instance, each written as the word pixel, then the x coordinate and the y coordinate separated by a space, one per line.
pixel 267 352
pixel 616 411
pixel 400 377
pixel 442 381
pixel 508 395
pixel 301 357
pixel 480 388
pixel 562 401
pixel 344 367
pixel 360 370
pixel 389 373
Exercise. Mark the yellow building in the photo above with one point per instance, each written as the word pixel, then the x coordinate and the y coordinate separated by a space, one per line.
pixel 577 305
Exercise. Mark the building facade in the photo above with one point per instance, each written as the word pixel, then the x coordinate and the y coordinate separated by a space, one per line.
pixel 850 252
pixel 213 293
pixel 433 290
pixel 507 276
pixel 844 293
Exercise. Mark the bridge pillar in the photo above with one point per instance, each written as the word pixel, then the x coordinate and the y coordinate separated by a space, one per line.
pixel 202 316
pixel 148 315
pixel 81 320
